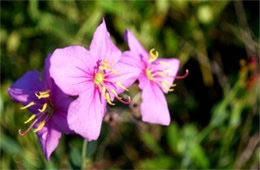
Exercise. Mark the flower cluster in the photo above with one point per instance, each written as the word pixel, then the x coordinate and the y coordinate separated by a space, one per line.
pixel 78 83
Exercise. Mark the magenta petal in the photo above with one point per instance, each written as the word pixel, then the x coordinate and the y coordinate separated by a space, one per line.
pixel 49 139
pixel 102 46
pixel 128 70
pixel 86 114
pixel 171 65
pixel 60 122
pixel 70 68
pixel 154 107
pixel 134 45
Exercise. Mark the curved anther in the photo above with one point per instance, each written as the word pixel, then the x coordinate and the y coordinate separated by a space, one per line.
pixel 27 106
pixel 160 74
pixel 40 126
pixel 167 85
pixel 103 89
pixel 153 55
pixel 108 99
pixel 183 76
pixel 43 94
pixel 121 86
pixel 44 107
pixel 30 119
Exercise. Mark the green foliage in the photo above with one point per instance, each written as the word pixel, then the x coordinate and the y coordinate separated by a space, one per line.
pixel 214 111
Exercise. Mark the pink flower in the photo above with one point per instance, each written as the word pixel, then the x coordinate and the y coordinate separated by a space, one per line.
pixel 48 105
pixel 96 76
pixel 156 78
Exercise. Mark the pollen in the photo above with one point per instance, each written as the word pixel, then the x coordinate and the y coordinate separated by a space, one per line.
pixel 108 99
pixel 40 126
pixel 149 74
pixel 99 78
pixel 27 106
pixel 42 116
pixel 121 86
pixel 43 94
pixel 153 55
pixel 30 119
pixel 44 107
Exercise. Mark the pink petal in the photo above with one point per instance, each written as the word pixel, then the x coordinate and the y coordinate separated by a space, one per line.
pixel 101 45
pixel 128 69
pixel 71 68
pixel 46 79
pixel 135 46
pixel 171 65
pixel 49 139
pixel 86 114
pixel 154 107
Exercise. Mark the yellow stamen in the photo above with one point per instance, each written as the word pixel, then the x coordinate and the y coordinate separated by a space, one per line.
pixel 45 92
pixel 161 74
pixel 99 78
pixel 149 74
pixel 105 63
pixel 30 119
pixel 44 107
pixel 166 82
pixel 40 126
pixel 166 85
pixel 164 63
pixel 120 85
pixel 104 67
pixel 115 72
pixel 108 99
pixel 153 55
pixel 170 90
pixel 104 91
pixel 173 85
pixel 27 106
pixel 114 93
pixel 42 95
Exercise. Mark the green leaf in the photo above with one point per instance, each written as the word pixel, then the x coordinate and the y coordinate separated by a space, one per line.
pixel 150 141
pixel 75 157
pixel 91 148
pixel 173 136
pixel 9 145
pixel 159 162
pixel 199 156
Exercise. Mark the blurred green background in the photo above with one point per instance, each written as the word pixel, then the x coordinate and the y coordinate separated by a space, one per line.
pixel 214 111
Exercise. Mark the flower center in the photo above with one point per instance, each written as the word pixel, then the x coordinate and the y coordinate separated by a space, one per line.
pixel 149 74
pixel 101 79
pixel 160 76
pixel 42 116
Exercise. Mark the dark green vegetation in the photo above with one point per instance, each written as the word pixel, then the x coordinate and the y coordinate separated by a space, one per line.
pixel 215 110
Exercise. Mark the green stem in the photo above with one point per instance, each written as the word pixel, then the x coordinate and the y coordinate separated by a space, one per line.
pixel 83 154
